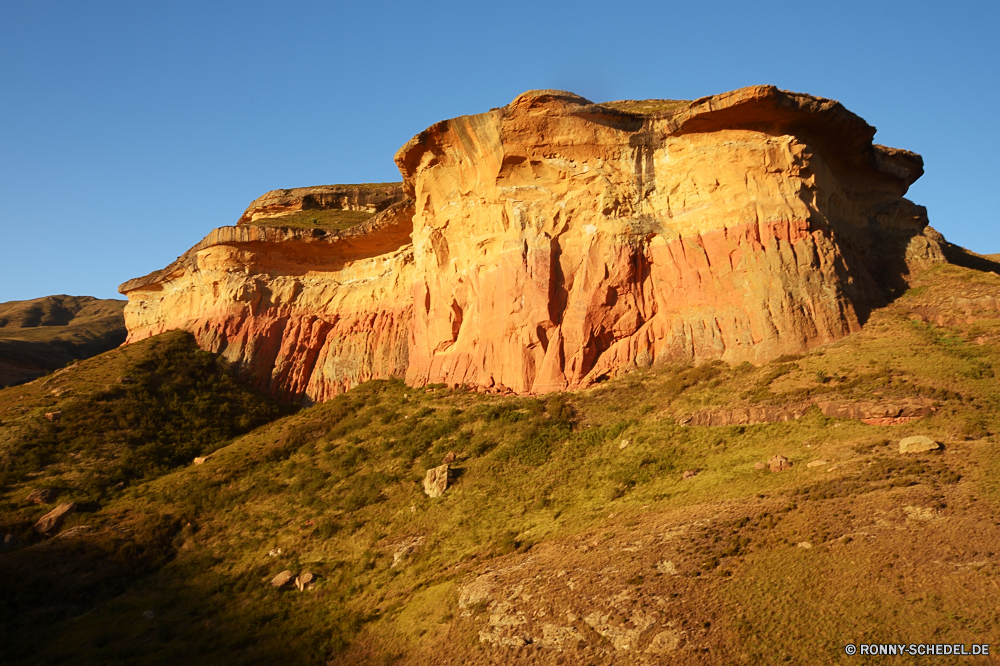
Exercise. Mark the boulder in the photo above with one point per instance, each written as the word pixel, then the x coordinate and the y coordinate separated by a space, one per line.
pixel 759 465
pixel 282 579
pixel 53 416
pixel 689 474
pixel 41 495
pixel 450 458
pixel 53 520
pixel 405 548
pixel 779 463
pixel 436 480
pixel 303 580
pixel 665 641
pixel 917 444
pixel 667 567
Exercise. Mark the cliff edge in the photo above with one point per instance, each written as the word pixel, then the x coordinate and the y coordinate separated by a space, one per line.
pixel 550 243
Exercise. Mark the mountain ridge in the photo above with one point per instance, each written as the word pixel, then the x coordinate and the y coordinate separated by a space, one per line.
pixel 40 335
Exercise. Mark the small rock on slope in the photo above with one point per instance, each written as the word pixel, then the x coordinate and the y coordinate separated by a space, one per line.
pixel 53 520
pixel 436 481
pixel 917 444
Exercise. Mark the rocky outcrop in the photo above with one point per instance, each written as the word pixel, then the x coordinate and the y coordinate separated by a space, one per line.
pixel 42 495
pixel 369 198
pixel 559 241
pixel 778 463
pixel 53 520
pixel 306 314
pixel 918 444
pixel 553 242
pixel 436 480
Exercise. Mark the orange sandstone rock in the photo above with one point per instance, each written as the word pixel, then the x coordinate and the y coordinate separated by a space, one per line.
pixel 555 241
pixel 304 314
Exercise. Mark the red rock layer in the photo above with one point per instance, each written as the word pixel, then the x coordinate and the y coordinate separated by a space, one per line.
pixel 558 241
pixel 304 315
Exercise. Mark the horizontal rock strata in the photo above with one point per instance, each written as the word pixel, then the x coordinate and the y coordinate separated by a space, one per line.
pixel 553 242
pixel 304 314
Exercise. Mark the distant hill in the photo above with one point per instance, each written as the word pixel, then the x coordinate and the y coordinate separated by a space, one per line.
pixel 44 334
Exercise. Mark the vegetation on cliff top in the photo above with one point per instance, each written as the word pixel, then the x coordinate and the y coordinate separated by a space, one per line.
pixel 332 219
pixel 573 497
pixel 647 107
pixel 43 334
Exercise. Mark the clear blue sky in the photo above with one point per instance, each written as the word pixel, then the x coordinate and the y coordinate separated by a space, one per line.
pixel 128 130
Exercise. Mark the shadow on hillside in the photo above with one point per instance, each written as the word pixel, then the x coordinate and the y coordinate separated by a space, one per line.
pixel 50 582
pixel 120 596
pixel 959 256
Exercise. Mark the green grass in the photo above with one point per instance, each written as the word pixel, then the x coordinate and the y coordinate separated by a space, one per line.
pixel 155 411
pixel 355 186
pixel 332 219
pixel 545 495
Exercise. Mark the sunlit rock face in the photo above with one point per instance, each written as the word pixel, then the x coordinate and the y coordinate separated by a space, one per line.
pixel 304 314
pixel 557 241
pixel 552 242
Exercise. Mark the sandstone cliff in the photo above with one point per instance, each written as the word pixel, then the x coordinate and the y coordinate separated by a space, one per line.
pixel 305 313
pixel 554 241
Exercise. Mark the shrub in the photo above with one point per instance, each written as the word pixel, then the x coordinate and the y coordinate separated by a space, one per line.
pixel 181 402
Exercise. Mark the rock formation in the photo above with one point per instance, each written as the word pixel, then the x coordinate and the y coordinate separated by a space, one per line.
pixel 304 313
pixel 368 198
pixel 53 520
pixel 436 480
pixel 918 444
pixel 554 241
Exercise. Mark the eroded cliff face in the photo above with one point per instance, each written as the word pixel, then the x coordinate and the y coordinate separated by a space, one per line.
pixel 555 241
pixel 305 314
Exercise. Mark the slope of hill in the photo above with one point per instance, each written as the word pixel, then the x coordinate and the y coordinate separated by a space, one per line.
pixel 600 527
pixel 44 334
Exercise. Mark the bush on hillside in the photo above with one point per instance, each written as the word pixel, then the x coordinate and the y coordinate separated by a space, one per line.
pixel 177 402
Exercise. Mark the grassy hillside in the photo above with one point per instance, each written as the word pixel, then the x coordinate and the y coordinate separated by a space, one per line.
pixel 44 334
pixel 569 534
